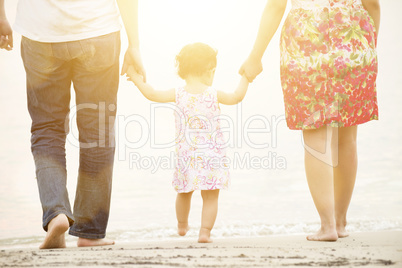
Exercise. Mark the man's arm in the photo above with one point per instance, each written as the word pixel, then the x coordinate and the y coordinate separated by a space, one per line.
pixel 6 33
pixel 129 14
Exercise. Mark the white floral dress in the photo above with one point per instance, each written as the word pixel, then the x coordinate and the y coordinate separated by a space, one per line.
pixel 201 162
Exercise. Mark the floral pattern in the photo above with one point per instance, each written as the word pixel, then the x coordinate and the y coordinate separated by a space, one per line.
pixel 201 162
pixel 328 64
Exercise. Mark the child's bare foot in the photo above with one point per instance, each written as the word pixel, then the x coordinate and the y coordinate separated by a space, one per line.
pixel 329 235
pixel 204 236
pixel 55 236
pixel 85 242
pixel 182 228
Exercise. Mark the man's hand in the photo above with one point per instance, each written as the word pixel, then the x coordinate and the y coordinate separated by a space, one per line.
pixel 132 58
pixel 6 35
pixel 251 68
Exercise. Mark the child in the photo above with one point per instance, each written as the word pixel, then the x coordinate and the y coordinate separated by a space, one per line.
pixel 201 161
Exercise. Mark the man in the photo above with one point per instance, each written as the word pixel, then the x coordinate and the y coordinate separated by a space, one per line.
pixel 77 42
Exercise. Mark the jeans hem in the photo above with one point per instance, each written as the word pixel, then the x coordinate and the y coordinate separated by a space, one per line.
pixel 86 235
pixel 55 214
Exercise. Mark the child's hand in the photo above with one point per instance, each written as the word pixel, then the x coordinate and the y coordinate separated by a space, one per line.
pixel 147 90
pixel 251 68
pixel 134 76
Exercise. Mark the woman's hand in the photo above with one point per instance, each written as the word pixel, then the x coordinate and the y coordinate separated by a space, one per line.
pixel 251 68
pixel 270 20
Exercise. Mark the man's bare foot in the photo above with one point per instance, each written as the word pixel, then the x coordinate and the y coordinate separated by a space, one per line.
pixel 182 228
pixel 204 236
pixel 85 242
pixel 55 236
pixel 324 235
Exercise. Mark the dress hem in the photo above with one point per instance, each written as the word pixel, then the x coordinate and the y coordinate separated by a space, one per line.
pixel 334 124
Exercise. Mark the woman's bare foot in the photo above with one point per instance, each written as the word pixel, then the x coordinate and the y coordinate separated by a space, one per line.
pixel 85 242
pixel 329 235
pixel 55 236
pixel 341 227
pixel 182 228
pixel 341 230
pixel 204 236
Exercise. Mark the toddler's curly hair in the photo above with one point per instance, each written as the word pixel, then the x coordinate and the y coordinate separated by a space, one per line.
pixel 195 59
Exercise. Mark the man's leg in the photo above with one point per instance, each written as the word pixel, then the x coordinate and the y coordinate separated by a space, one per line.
pixel 48 92
pixel 96 79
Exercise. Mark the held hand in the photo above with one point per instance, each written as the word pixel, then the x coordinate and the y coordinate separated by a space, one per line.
pixel 134 76
pixel 251 68
pixel 6 35
pixel 132 58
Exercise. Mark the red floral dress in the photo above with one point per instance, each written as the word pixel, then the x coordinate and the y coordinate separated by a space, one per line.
pixel 328 64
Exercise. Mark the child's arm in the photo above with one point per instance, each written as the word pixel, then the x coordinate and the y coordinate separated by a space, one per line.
pixel 148 91
pixel 234 97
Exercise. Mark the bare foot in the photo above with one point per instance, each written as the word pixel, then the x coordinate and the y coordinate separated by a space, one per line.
pixel 182 228
pixel 85 242
pixel 341 227
pixel 204 236
pixel 341 230
pixel 55 236
pixel 324 235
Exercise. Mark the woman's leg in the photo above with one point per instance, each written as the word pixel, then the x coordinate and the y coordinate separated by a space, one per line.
pixel 344 150
pixel 209 212
pixel 320 180
pixel 183 203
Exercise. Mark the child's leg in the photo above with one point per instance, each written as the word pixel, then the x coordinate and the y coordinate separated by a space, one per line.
pixel 320 180
pixel 183 203
pixel 344 174
pixel 209 212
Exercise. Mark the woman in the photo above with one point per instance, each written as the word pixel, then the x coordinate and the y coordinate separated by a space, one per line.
pixel 328 75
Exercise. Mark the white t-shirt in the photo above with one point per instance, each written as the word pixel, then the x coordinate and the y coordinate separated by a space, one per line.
pixel 66 20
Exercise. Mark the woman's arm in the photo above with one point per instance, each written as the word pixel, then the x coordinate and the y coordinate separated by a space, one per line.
pixel 271 18
pixel 373 8
pixel 148 91
pixel 234 97
pixel 129 14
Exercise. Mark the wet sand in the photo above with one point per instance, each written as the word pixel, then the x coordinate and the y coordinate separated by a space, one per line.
pixel 373 249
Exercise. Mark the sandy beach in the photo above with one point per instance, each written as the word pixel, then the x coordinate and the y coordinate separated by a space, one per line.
pixel 373 249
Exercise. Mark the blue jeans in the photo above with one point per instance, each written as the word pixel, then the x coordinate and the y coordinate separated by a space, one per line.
pixel 92 65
